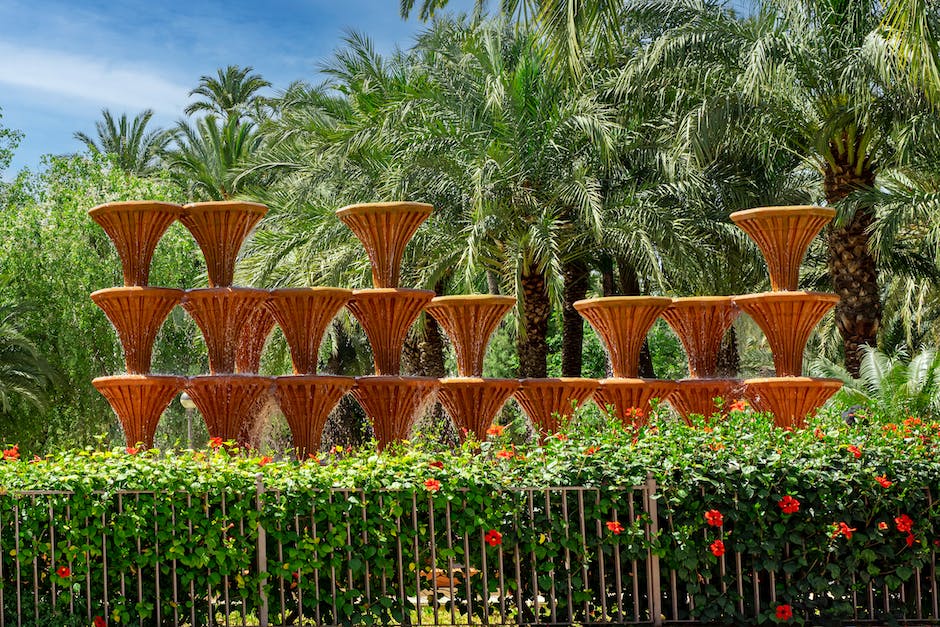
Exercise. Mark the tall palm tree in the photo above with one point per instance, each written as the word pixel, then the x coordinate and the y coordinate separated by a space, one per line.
pixel 135 149
pixel 24 373
pixel 232 93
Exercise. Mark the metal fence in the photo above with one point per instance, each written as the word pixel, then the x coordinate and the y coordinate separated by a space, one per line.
pixel 263 557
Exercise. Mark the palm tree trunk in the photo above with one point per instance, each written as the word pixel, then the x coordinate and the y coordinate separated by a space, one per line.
pixel 347 424
pixel 572 339
pixel 532 345
pixel 852 267
pixel 729 360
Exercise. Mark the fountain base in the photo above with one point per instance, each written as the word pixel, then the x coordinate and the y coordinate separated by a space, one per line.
pixel 549 402
pixel 392 403
pixel 630 398
pixel 474 403
pixel 139 401
pixel 697 396
pixel 306 402
pixel 228 403
pixel 790 399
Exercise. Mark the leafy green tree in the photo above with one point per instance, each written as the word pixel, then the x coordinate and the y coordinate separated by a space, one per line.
pixel 232 93
pixel 133 148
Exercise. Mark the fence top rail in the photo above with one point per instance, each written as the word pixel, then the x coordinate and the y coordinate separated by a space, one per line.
pixel 14 493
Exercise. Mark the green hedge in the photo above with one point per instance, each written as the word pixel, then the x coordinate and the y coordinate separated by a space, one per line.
pixel 867 477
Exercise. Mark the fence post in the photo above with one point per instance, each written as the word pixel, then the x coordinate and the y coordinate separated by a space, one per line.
pixel 656 602
pixel 262 555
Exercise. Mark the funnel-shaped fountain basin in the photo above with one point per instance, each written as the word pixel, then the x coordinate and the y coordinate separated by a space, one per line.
pixel 697 396
pixel 306 401
pixel 787 319
pixel 304 314
pixel 473 403
pixel 469 322
pixel 385 316
pixel 137 314
pixel 622 323
pixel 136 227
pixel 220 229
pixel 783 234
pixel 385 228
pixel 550 402
pixel 221 313
pixel 392 404
pixel 630 398
pixel 228 403
pixel 139 401
pixel 790 399
pixel 255 334
pixel 701 322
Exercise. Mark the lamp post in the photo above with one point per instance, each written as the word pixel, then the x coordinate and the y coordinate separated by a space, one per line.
pixel 187 402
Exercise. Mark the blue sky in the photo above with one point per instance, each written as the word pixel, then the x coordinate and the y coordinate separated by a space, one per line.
pixel 62 61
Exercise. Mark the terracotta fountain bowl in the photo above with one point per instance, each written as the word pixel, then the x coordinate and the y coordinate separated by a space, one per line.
pixel 220 229
pixel 392 403
pixel 630 398
pixel 137 313
pixel 473 403
pixel 697 396
pixel 469 321
pixel 304 313
pixel 783 234
pixel 221 314
pixel 787 320
pixel 136 228
pixel 385 316
pixel 790 399
pixel 306 401
pixel 228 402
pixel 385 228
pixel 255 333
pixel 550 402
pixel 139 401
pixel 622 323
pixel 701 323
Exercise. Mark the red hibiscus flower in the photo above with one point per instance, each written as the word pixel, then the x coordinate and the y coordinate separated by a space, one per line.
pixel 615 527
pixel 12 454
pixel 842 529
pixel 264 461
pixel 717 548
pixel 132 450
pixel 714 518
pixel 738 405
pixel 493 537
pixel 590 450
pixel 784 612
pixel 883 481
pixel 904 523
pixel 883 526
pixel 854 450
pixel 432 485
pixel 100 621
pixel 819 434
pixel 496 430
pixel 910 539
pixel 561 437
pixel 63 571
pixel 505 454
pixel 789 505
pixel 215 442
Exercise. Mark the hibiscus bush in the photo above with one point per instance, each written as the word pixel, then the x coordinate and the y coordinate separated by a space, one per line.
pixel 753 521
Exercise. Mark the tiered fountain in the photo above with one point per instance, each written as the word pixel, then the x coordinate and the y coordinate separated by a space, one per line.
pixel 386 312
pixel 701 323
pixel 137 311
pixel 470 321
pixel 622 323
pixel 786 316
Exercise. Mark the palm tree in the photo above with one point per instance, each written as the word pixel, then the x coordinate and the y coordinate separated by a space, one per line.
pixel 135 150
pixel 205 155
pixel 24 374
pixel 232 93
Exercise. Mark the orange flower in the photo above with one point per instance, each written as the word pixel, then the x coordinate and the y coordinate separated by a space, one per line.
pixel 561 437
pixel 784 612
pixel 819 434
pixel 738 405
pixel 911 421
pixel 883 526
pixel 615 527
pixel 789 505
pixel 890 427
pixel 495 430
pixel 633 412
pixel 132 450
pixel 717 548
pixel 904 523
pixel 264 461
pixel 215 442
pixel 716 446
pixel 432 485
pixel 493 537
pixel 854 450
pixel 714 518
pixel 883 481
pixel 590 450
pixel 842 529
pixel 505 454
pixel 63 571
pixel 12 454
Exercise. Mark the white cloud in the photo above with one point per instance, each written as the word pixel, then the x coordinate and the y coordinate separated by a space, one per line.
pixel 95 81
